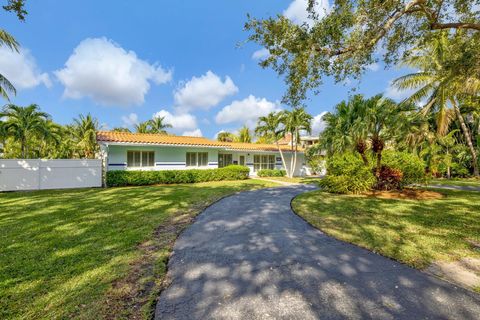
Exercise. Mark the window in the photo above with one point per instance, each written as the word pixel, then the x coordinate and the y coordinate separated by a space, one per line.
pixel 140 158
pixel 263 162
pixel 197 159
pixel 224 160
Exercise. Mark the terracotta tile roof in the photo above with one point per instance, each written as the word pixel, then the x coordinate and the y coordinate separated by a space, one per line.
pixel 150 138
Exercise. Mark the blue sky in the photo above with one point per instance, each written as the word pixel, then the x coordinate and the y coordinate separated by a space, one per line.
pixel 124 61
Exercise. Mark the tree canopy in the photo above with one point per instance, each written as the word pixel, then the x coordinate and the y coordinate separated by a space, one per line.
pixel 353 34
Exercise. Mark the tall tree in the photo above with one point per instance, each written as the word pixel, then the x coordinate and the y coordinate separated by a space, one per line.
pixel 6 39
pixel 85 132
pixel 225 136
pixel 23 123
pixel 295 122
pixel 442 83
pixel 345 38
pixel 119 129
pixel 158 125
pixel 271 125
pixel 244 135
pixel 142 127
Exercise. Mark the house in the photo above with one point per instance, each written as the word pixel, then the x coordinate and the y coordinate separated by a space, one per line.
pixel 141 151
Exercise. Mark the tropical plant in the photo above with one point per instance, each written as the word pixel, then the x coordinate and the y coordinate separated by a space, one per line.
pixel 23 123
pixel 295 121
pixel 271 125
pixel 85 132
pixel 142 127
pixel 441 85
pixel 225 136
pixel 120 129
pixel 158 125
pixel 243 135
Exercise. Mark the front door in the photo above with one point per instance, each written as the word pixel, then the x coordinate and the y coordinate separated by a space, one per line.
pixel 224 159
pixel 241 160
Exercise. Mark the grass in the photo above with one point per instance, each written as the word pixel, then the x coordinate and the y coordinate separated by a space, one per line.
pixel 295 179
pixel 91 253
pixel 470 182
pixel 415 232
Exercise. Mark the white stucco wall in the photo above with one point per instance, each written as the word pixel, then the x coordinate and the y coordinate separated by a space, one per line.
pixel 174 157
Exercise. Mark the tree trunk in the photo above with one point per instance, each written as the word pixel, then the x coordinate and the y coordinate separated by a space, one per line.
pixel 281 155
pixel 468 138
pixel 361 147
pixel 22 147
pixel 295 155
pixel 290 174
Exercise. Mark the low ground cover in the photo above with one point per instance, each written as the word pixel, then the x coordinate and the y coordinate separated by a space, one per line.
pixel 416 232
pixel 94 253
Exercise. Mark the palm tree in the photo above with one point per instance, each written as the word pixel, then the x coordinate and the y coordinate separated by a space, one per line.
pixel 244 135
pixel 441 86
pixel 271 125
pixel 142 127
pixel 225 136
pixel 6 86
pixel 295 122
pixel 23 123
pixel 118 129
pixel 157 125
pixel 85 132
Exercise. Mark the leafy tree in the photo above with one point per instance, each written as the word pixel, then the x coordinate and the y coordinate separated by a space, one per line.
pixel 295 121
pixel 225 136
pixel 6 39
pixel 244 135
pixel 442 85
pixel 158 125
pixel 119 129
pixel 271 125
pixel 343 41
pixel 142 127
pixel 23 123
pixel 85 133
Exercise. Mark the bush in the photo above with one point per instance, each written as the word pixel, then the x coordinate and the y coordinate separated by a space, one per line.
pixel 271 173
pixel 344 164
pixel 389 179
pixel 359 181
pixel 412 167
pixel 142 178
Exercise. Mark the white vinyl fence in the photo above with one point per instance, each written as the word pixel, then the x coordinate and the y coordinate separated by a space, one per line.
pixel 20 174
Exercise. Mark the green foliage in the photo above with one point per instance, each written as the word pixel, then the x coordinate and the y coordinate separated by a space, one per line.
pixel 271 173
pixel 389 178
pixel 142 178
pixel 360 181
pixel 344 164
pixel 344 41
pixel 411 166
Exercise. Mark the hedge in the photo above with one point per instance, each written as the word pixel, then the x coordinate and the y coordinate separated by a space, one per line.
pixel 119 178
pixel 271 173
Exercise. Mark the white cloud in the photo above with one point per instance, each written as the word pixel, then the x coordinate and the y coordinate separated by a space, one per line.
pixel 246 111
pixel 298 14
pixel 130 120
pixel 193 133
pixel 203 92
pixel 21 69
pixel 396 94
pixel 318 125
pixel 261 54
pixel 373 67
pixel 184 121
pixel 108 74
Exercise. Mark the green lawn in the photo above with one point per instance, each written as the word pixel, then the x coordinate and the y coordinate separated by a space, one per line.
pixel 471 182
pixel 415 232
pixel 85 253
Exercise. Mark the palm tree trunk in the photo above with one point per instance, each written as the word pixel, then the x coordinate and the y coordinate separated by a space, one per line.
pixel 281 156
pixel 23 147
pixel 468 138
pixel 290 175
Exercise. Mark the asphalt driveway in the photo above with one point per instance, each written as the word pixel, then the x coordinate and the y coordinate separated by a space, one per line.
pixel 249 256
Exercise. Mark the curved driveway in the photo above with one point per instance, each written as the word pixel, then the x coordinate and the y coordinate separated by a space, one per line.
pixel 249 256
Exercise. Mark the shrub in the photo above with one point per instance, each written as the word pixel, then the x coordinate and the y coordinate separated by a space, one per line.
pixel 412 167
pixel 271 173
pixel 344 164
pixel 359 181
pixel 389 179
pixel 141 178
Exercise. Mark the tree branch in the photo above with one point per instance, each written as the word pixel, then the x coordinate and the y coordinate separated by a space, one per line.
pixel 455 25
